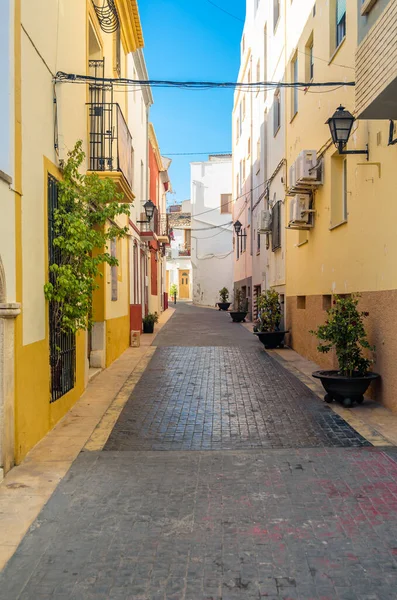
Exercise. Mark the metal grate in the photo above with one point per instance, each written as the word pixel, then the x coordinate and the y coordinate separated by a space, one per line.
pixel 276 226
pixel 62 344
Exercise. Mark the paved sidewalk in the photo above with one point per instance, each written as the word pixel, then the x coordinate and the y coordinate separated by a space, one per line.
pixel 26 488
pixel 287 502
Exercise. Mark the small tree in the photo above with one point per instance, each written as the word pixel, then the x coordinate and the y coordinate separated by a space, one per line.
pixel 344 330
pixel 83 226
pixel 224 294
pixel 269 311
pixel 240 303
pixel 173 290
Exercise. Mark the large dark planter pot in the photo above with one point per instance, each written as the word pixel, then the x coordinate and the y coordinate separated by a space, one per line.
pixel 345 389
pixel 148 327
pixel 271 339
pixel 237 316
pixel 224 305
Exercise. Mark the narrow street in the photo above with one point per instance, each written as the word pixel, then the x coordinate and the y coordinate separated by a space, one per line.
pixel 224 478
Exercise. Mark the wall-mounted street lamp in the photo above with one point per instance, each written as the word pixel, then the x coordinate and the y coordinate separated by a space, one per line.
pixel 149 211
pixel 340 125
pixel 240 235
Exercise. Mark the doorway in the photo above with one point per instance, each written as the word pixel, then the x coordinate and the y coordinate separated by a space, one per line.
pixel 184 285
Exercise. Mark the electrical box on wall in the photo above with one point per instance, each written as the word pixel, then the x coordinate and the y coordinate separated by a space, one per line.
pixel 264 221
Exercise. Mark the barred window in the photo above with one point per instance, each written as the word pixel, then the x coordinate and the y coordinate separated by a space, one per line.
pixel 276 226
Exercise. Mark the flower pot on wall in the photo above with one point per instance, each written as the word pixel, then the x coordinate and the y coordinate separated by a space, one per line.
pixel 347 390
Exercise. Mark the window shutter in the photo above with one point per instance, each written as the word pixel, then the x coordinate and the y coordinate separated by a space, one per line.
pixel 276 226
pixel 340 9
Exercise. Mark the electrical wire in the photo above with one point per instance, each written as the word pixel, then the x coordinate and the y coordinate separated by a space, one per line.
pixel 326 60
pixel 197 85
pixel 225 153
pixel 225 11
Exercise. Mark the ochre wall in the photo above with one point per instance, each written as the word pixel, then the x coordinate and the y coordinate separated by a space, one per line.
pixel 381 326
pixel 117 337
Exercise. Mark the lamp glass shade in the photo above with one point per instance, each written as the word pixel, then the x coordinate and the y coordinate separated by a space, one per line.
pixel 149 209
pixel 237 227
pixel 340 125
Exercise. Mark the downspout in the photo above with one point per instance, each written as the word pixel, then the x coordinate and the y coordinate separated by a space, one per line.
pixel 251 175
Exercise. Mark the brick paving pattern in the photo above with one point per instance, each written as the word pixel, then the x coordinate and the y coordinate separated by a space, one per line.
pixel 291 504
pixel 313 523
pixel 211 398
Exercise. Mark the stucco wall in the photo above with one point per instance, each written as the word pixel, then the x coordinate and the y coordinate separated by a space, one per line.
pixel 212 249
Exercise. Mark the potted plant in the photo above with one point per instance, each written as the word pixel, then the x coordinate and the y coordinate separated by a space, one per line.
pixel 345 332
pixel 224 296
pixel 174 291
pixel 267 326
pixel 149 321
pixel 240 307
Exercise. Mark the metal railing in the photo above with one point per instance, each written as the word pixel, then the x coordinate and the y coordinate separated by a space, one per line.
pixel 153 224
pixel 110 138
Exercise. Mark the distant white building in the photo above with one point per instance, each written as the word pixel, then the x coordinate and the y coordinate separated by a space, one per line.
pixel 212 228
pixel 179 266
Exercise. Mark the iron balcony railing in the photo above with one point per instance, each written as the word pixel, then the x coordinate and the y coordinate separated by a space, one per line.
pixel 163 225
pixel 110 138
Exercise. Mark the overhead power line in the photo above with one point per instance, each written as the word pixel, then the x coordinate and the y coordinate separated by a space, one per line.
pixel 225 153
pixel 225 11
pixel 197 85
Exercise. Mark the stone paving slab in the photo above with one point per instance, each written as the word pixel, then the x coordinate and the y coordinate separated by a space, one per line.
pixel 311 523
pixel 209 398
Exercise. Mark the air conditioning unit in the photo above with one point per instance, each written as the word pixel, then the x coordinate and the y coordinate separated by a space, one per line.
pixel 264 221
pixel 299 209
pixel 304 171
pixel 292 176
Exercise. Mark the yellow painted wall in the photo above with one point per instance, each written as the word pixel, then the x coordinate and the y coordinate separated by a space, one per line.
pixel 53 38
pixel 360 254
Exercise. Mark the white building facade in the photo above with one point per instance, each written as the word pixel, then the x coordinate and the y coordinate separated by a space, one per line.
pixel 212 228
pixel 179 264
pixel 270 35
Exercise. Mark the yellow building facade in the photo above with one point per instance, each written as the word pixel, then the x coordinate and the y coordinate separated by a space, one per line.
pixel 67 36
pixel 351 246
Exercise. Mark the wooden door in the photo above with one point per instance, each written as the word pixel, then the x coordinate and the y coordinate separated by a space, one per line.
pixel 167 285
pixel 183 284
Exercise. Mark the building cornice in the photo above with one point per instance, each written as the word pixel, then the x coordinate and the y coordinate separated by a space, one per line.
pixel 140 65
pixel 130 23
pixel 155 146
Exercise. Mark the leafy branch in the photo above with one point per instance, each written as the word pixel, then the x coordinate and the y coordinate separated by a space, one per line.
pixel 83 224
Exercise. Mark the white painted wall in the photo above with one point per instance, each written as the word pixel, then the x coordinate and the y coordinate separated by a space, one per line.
pixel 212 232
pixel 263 61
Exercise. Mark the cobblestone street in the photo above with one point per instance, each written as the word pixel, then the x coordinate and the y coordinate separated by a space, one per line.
pixel 224 478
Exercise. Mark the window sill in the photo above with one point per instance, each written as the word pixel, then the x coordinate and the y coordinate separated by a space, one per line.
pixel 307 89
pixel 293 116
pixel 275 26
pixel 336 50
pixel 302 243
pixel 366 7
pixel 277 130
pixel 258 252
pixel 332 227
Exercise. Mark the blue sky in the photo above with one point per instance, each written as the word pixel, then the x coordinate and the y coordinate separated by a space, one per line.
pixel 191 40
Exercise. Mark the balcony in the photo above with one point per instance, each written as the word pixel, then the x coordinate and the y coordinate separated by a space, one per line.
pixel 376 65
pixel 149 229
pixel 163 229
pixel 110 143
pixel 184 250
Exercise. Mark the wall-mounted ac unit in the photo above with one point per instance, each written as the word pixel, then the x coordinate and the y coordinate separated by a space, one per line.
pixel 299 209
pixel 292 176
pixel 304 164
pixel 264 221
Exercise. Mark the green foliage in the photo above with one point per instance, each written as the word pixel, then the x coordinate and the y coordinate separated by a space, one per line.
pixel 224 294
pixel 173 290
pixel 269 311
pixel 83 226
pixel 344 330
pixel 150 318
pixel 240 303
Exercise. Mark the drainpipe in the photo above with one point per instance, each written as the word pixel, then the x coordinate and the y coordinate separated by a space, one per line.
pixel 251 175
